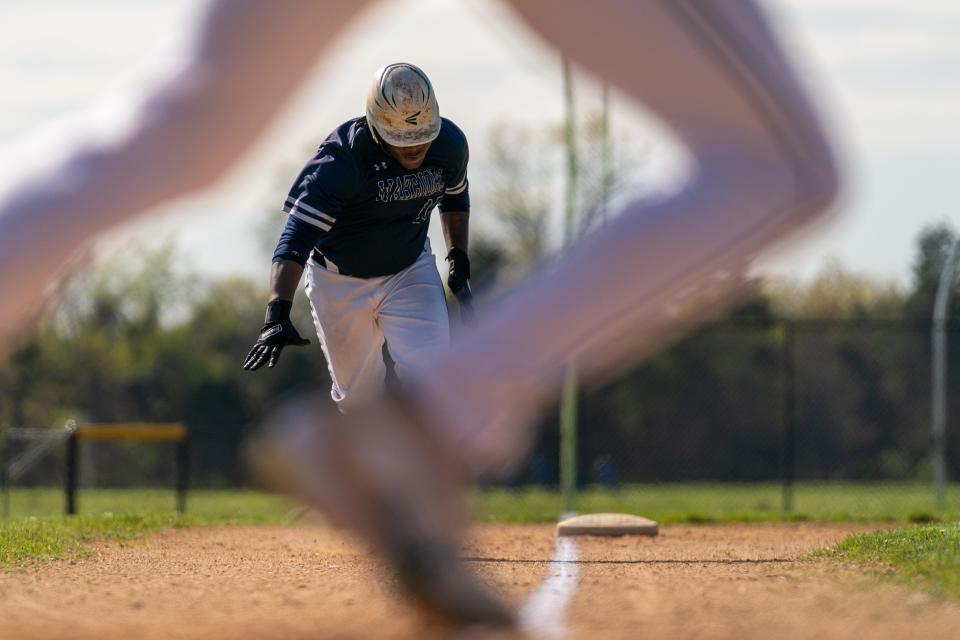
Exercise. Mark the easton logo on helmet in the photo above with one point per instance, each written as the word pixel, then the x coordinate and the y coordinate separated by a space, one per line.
pixel 412 119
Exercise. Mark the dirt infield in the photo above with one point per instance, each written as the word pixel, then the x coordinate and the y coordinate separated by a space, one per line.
pixel 729 581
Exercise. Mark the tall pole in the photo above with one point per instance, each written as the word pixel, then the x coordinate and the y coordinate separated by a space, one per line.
pixel 938 410
pixel 789 409
pixel 568 400
pixel 605 150
pixel 5 471
pixel 570 146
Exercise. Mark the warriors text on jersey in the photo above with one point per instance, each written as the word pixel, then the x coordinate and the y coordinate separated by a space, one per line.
pixel 362 210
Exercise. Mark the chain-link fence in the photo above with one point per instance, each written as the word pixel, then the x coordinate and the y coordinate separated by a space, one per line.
pixel 33 460
pixel 774 403
pixel 47 470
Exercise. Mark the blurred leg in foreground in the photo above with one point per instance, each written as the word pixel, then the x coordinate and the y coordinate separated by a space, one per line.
pixel 713 72
pixel 61 187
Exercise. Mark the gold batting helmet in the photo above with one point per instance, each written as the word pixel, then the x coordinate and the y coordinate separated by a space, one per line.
pixel 402 107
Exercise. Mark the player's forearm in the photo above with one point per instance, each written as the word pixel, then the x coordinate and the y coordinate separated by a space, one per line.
pixel 284 278
pixel 456 227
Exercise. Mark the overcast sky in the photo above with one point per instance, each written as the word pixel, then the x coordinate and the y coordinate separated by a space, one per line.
pixel 887 73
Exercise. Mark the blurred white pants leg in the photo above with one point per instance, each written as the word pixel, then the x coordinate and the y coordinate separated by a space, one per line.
pixel 170 133
pixel 713 72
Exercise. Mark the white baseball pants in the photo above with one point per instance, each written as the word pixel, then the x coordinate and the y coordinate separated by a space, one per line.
pixel 354 316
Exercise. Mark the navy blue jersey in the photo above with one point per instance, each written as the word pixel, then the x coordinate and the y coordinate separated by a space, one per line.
pixel 362 210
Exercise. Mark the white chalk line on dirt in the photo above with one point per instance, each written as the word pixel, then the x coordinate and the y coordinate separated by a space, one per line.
pixel 543 614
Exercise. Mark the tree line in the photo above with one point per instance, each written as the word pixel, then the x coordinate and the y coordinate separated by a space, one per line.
pixel 139 338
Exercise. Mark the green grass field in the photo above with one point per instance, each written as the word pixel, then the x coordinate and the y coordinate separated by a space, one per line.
pixel 690 502
pixel 695 502
pixel 926 557
pixel 215 506
pixel 36 530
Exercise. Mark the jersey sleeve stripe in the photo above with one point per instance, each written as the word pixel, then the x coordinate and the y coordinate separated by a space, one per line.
pixel 305 208
pixel 310 219
pixel 460 188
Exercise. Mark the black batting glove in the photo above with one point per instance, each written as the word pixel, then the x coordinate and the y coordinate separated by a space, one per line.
pixel 459 270
pixel 277 333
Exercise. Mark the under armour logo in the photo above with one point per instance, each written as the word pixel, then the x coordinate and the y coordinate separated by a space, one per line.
pixel 412 119
pixel 379 165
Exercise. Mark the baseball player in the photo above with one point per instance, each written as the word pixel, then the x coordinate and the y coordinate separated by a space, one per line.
pixel 358 217
pixel 711 70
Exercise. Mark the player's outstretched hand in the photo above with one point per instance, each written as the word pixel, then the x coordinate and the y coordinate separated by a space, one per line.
pixel 277 332
pixel 459 270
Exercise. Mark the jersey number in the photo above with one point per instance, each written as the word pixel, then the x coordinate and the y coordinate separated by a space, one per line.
pixel 424 214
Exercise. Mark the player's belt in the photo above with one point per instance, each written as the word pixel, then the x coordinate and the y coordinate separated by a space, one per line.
pixel 318 257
